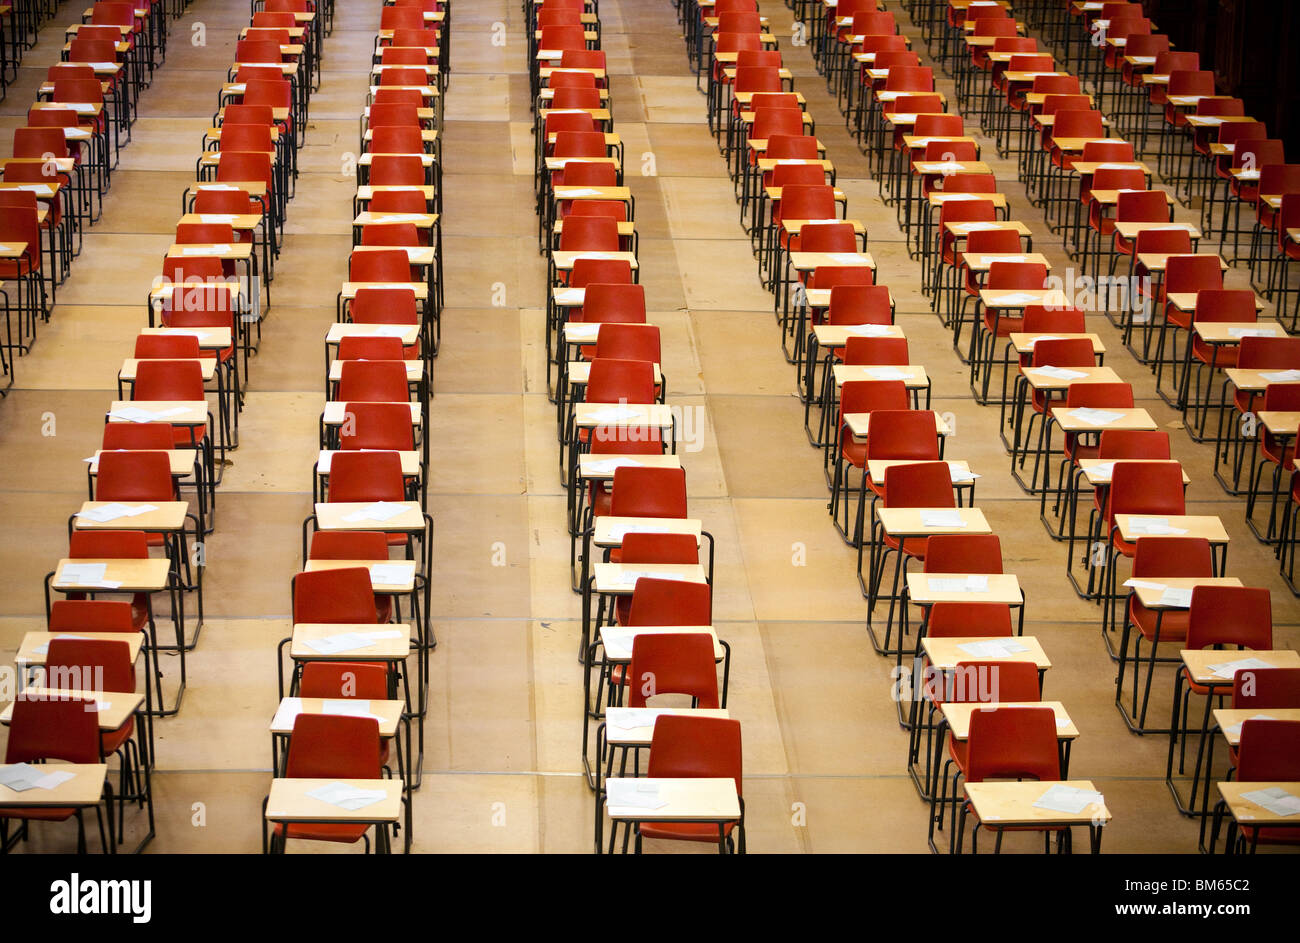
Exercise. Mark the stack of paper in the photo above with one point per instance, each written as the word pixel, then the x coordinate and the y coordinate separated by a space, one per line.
pixel 1282 376
pixel 887 373
pixel 993 648
pixel 867 330
pixel 1095 417
pixel 1059 373
pixel 136 414
pixel 1175 598
pixel 1154 527
pixel 44 647
pixel 941 517
pixel 1275 799
pixel 974 583
pixel 614 413
pixel 1235 729
pixel 1062 798
pixel 379 511
pixel 607 466
pixel 22 776
pixel 111 512
pixel 960 475
pixel 348 641
pixel 633 718
pixel 389 574
pixel 633 794
pixel 347 797
pixel 1228 669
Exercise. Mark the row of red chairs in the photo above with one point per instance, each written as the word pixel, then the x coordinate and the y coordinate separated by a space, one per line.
pixel 1135 488
pixel 149 458
pixel 619 453
pixel 375 442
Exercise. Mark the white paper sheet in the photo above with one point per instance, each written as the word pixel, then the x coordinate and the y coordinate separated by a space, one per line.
pixel 1068 799
pixel 630 794
pixel 347 797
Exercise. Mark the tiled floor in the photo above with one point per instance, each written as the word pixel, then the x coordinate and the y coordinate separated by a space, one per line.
pixel 824 757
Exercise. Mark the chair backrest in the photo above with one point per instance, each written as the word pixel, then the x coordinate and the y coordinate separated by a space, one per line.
pixel 673 664
pixel 1039 319
pixel 137 436
pixel 105 661
pixel 1012 743
pixel 1133 443
pixel 648 492
pixel 1173 557
pixel 860 304
pixel 963 553
pixel 670 602
pixel 91 615
pixel 1229 615
pixel 920 485
pixel 868 396
pixel 659 548
pixel 614 302
pixel 53 729
pixel 975 682
pixel 1147 488
pixel 1266 688
pixel 334 746
pixel 134 476
pixel 683 745
pixel 969 620
pixel 108 544
pixel 340 596
pixel 377 426
pixel 877 351
pixel 380 265
pixel 588 271
pixel 373 381
pixel 366 477
pixel 1100 396
pixel 168 380
pixel 1269 751
pixel 589 234
pixel 620 381
pixel 1269 353
pixel 382 305
pixel 1225 304
pixel 629 342
pixel 1143 206
pixel 344 679
pixel 1064 352
pixel 903 434
pixel 1078 123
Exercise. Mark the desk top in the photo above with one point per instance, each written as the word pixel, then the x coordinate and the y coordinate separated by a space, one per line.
pixel 289 802
pixel 85 788
pixel 1000 804
pixel 948 653
pixel 365 642
pixel 688 800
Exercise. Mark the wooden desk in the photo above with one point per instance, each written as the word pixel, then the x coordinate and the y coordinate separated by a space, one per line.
pixel 945 654
pixel 35 646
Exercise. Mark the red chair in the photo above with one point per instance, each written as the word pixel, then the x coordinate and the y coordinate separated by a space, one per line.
pixel 686 746
pixel 50 729
pixel 1157 557
pixel 1009 743
pixel 1269 751
pixel 329 746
